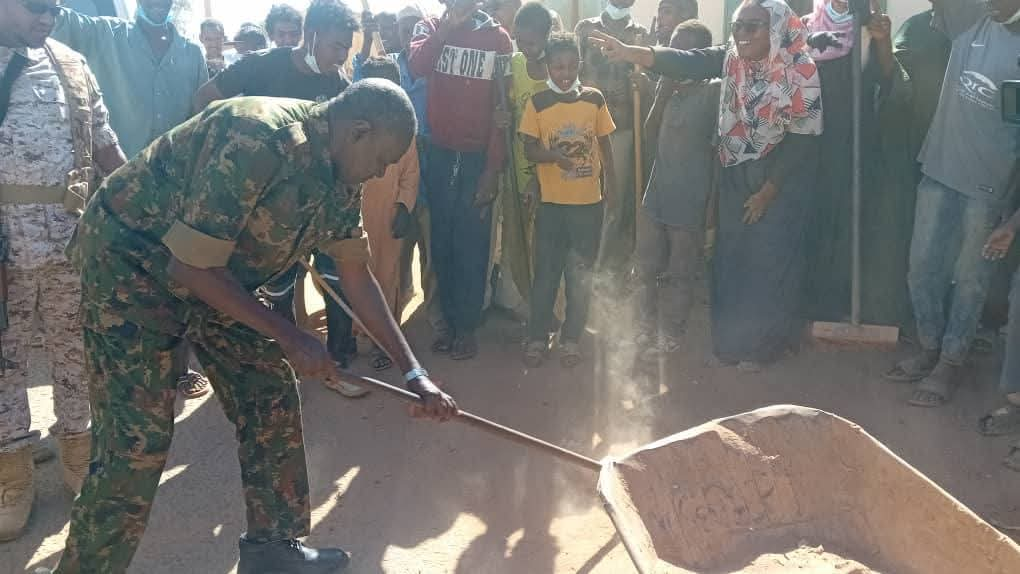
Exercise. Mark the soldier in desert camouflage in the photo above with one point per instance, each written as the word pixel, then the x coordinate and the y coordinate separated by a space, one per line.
pixel 173 245
pixel 54 138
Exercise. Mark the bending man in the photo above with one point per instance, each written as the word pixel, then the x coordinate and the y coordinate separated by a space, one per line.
pixel 173 246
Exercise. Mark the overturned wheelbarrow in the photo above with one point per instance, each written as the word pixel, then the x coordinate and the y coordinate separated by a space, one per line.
pixel 746 493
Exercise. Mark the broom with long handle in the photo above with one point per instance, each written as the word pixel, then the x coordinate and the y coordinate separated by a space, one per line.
pixel 855 332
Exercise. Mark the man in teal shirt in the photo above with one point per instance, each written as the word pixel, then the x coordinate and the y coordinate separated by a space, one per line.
pixel 147 72
pixel 146 69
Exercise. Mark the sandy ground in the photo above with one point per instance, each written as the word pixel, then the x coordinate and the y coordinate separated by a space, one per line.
pixel 412 497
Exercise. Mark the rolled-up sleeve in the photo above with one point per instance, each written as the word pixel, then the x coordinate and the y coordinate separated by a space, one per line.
pixel 348 241
pixel 235 167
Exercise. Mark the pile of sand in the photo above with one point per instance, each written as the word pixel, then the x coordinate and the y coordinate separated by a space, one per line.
pixel 813 559
pixel 804 559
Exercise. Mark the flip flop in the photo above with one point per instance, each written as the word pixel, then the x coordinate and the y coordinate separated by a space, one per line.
pixel 937 388
pixel 1001 421
pixel 750 367
pixel 193 385
pixel 380 361
pixel 570 355
pixel 984 342
pixel 534 354
pixel 1012 460
pixel 464 348
pixel 913 369
pixel 443 344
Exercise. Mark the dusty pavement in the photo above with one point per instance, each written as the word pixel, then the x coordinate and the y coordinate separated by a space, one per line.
pixel 412 497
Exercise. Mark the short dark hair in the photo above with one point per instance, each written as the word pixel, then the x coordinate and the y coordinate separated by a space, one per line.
pixel 253 33
pixel 692 4
pixel 534 16
pixel 212 24
pixel 697 30
pixel 282 13
pixel 562 43
pixel 326 14
pixel 383 67
pixel 379 102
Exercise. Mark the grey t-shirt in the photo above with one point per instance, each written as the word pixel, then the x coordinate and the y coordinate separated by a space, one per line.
pixel 682 175
pixel 969 148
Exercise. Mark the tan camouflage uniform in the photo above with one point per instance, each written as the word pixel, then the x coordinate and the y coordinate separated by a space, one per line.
pixel 37 153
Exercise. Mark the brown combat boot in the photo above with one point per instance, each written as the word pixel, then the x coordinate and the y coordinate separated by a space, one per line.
pixel 75 454
pixel 16 492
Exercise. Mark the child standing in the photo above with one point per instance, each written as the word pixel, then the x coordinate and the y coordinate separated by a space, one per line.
pixel 671 222
pixel 528 76
pixel 566 132
pixel 386 206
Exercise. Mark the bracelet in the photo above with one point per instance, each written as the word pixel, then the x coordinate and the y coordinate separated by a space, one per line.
pixel 415 373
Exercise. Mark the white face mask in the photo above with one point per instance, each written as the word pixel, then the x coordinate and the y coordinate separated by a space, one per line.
pixel 573 88
pixel 615 13
pixel 310 57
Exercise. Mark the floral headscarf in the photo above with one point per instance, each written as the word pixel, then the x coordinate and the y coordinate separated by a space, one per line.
pixel 762 101
pixel 826 19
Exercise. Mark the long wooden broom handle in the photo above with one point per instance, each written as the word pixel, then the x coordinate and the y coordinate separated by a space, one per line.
pixel 476 421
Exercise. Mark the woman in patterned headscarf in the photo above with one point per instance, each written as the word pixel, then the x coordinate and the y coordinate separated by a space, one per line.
pixel 769 112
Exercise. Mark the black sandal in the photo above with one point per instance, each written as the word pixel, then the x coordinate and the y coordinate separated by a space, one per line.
pixel 193 385
pixel 464 348
pixel 380 360
pixel 443 344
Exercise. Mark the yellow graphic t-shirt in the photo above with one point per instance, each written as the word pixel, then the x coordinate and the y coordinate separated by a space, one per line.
pixel 571 123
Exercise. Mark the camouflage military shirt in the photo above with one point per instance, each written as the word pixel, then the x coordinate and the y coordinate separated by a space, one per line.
pixel 248 185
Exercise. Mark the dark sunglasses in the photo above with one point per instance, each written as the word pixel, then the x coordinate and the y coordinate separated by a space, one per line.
pixel 751 27
pixel 39 8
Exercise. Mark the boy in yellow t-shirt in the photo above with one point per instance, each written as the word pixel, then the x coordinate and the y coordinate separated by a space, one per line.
pixel 566 133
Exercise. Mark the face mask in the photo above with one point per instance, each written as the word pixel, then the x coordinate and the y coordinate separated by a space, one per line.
pixel 836 17
pixel 310 57
pixel 573 88
pixel 615 13
pixel 145 18
pixel 1013 19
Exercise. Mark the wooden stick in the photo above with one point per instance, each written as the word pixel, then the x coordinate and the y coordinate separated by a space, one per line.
pixel 639 165
pixel 379 50
pixel 462 416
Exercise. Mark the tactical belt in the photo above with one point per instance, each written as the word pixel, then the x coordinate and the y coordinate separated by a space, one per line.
pixel 41 194
pixel 28 194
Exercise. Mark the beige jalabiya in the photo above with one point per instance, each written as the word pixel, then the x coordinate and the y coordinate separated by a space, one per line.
pixel 379 204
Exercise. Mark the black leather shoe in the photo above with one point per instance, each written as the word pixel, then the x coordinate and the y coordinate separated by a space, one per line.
pixel 289 557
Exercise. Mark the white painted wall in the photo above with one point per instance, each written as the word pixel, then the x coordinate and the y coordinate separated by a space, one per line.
pixel 900 10
pixel 712 12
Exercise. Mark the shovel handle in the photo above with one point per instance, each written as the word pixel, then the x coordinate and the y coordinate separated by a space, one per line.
pixel 465 417
pixel 486 425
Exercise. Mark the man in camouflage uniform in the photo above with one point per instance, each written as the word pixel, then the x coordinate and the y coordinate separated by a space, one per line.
pixel 172 246
pixel 53 135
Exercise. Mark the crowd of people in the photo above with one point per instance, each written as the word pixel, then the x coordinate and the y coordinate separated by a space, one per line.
pixel 528 168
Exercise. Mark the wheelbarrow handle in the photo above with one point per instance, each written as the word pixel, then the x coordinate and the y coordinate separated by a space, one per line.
pixel 465 417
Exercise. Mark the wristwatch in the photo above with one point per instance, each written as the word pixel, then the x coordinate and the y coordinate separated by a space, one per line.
pixel 415 373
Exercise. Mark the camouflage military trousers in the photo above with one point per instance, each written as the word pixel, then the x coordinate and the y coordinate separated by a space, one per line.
pixel 132 381
pixel 43 298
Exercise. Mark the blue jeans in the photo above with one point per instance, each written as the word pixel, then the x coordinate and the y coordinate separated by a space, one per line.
pixel 279 293
pixel 1011 368
pixel 460 235
pixel 950 229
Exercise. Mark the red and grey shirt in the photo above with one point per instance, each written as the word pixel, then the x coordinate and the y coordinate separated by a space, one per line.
pixel 461 67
